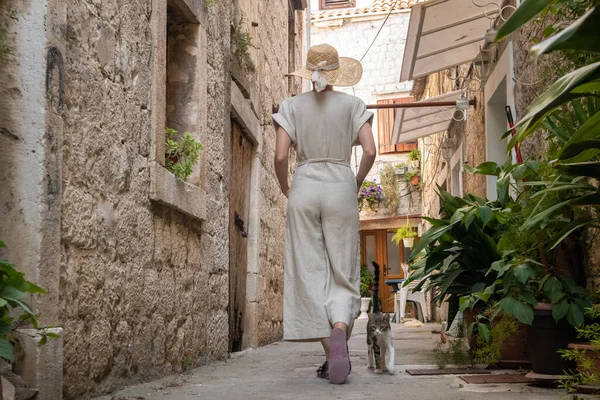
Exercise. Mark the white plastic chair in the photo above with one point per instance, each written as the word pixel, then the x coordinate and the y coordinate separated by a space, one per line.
pixel 405 294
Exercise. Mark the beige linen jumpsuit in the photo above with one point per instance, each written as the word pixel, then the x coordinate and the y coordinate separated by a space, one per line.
pixel 322 251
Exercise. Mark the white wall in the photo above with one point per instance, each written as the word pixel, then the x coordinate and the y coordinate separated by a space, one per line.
pixel 498 94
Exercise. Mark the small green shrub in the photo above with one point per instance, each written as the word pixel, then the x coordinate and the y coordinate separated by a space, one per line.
pixel 391 191
pixel 243 42
pixel 181 154
pixel 210 3
pixel 414 155
pixel 456 352
pixel 489 349
pixel 587 373
pixel 4 48
pixel 366 281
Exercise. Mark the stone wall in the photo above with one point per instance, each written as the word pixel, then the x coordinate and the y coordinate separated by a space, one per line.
pixel 272 87
pixel 468 138
pixel 141 287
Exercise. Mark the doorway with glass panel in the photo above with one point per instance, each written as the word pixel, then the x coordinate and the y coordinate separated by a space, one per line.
pixel 377 245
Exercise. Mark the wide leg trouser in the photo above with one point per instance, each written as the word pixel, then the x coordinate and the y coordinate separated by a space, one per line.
pixel 322 252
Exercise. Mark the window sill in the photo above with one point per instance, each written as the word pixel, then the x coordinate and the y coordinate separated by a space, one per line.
pixel 168 190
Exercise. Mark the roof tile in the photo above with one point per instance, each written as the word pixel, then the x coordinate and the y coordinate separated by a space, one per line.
pixel 378 6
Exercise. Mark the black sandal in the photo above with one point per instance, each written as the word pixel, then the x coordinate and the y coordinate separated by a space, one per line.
pixel 323 371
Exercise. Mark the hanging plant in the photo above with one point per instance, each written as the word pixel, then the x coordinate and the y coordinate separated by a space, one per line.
pixel 369 195
pixel 414 157
pixel 406 234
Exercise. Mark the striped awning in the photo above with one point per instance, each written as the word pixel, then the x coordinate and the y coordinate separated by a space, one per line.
pixel 443 34
pixel 415 123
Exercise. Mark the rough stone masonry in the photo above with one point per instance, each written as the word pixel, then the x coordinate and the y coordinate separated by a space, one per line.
pixel 139 286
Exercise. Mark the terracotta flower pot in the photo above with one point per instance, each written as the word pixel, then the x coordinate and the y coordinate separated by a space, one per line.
pixel 415 180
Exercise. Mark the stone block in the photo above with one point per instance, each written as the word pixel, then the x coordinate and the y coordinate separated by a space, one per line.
pixel 254 288
pixel 167 189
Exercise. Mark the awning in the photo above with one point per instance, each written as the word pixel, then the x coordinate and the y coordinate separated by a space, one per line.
pixel 414 123
pixel 442 34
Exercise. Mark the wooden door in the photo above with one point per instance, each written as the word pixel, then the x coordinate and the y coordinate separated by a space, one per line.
pixel 377 245
pixel 239 185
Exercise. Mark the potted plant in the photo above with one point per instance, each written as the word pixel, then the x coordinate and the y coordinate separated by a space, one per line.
pixel 412 177
pixel 366 284
pixel 406 234
pixel 496 338
pixel 414 157
pixel 370 195
pixel 534 283
pixel 566 203
pixel 401 169
pixel 455 255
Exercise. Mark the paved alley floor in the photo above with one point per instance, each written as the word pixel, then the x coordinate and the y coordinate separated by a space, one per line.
pixel 287 371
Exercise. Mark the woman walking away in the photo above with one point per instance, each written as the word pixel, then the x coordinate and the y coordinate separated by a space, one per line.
pixel 322 265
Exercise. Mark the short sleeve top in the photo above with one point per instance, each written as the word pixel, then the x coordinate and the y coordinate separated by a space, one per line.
pixel 323 125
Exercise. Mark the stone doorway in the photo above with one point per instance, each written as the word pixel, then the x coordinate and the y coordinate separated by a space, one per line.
pixel 242 152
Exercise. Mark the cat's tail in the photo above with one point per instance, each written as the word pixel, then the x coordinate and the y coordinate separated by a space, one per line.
pixel 376 307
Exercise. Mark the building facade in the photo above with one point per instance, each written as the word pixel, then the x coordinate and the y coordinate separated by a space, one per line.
pixel 146 274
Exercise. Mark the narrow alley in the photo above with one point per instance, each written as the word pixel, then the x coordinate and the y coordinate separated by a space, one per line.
pixel 192 191
pixel 286 371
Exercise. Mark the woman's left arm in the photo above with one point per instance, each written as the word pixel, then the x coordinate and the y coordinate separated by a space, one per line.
pixel 282 148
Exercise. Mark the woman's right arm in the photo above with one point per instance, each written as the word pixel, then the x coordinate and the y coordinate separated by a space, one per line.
pixel 282 148
pixel 365 135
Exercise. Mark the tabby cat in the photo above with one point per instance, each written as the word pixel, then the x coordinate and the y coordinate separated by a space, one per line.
pixel 379 335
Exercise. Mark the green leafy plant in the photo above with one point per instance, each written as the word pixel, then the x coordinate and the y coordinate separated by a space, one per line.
pixel 404 232
pixel 456 352
pixel 366 281
pixel 532 268
pixel 13 290
pixel 242 41
pixel 390 187
pixel 210 3
pixel 456 253
pixel 408 176
pixel 587 372
pixel 4 48
pixel 414 155
pixel 181 154
pixel 492 336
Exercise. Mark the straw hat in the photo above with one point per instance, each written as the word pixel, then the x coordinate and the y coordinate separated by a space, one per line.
pixel 324 67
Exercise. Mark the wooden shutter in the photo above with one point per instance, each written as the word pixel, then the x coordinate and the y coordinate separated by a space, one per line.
pixel 329 4
pixel 385 128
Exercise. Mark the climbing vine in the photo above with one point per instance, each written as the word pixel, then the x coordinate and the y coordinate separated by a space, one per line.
pixel 390 187
pixel 242 41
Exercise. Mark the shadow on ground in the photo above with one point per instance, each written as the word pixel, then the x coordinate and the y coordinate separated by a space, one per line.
pixel 287 371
